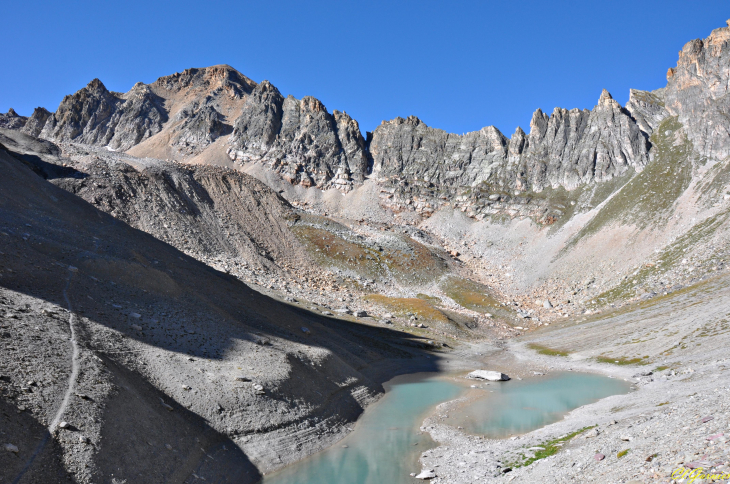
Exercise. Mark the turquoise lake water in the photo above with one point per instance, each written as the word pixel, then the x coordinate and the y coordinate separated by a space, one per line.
pixel 381 449
pixel 517 407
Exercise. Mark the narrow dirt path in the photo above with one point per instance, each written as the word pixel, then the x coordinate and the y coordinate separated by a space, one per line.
pixel 74 359
pixel 69 389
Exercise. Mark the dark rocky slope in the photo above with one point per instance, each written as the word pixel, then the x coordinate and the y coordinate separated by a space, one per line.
pixel 195 356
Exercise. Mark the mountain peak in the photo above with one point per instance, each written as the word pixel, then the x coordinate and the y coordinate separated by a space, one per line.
pixel 96 85
pixel 605 97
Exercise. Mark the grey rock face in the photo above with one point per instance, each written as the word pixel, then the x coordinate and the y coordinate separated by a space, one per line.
pixel 12 120
pixel 299 139
pixel 485 173
pixel 409 149
pixel 200 126
pixel 577 147
pixel 647 108
pixel 567 148
pixel 256 128
pixel 697 91
pixel 36 122
pixel 94 115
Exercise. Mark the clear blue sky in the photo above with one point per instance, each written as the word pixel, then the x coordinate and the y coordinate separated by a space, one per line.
pixel 457 65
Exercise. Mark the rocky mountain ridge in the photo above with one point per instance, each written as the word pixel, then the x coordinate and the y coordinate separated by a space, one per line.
pixel 305 144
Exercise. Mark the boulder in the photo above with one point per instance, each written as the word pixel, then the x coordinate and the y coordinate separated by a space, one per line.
pixel 488 375
pixel 426 474
pixel 11 448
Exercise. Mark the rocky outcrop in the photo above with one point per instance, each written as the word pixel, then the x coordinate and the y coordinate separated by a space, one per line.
pixel 410 150
pixel 212 81
pixel 697 93
pixel 567 148
pixel 12 120
pixel 647 109
pixel 36 122
pixel 97 116
pixel 299 139
pixel 199 127
pixel 571 148
pixel 258 125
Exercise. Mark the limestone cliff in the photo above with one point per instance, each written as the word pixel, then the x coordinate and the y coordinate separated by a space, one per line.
pixel 697 92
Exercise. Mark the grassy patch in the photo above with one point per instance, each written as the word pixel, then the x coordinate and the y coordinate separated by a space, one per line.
pixel 430 299
pixel 470 294
pixel 648 196
pixel 623 453
pixel 621 361
pixel 544 350
pixel 401 306
pixel 661 368
pixel 662 404
pixel 334 245
pixel 551 448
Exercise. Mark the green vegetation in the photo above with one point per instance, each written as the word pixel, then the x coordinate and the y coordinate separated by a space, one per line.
pixel 623 453
pixel 647 197
pixel 544 350
pixel 470 294
pixel 661 368
pixel 621 361
pixel 401 306
pixel 431 299
pixel 334 245
pixel 551 447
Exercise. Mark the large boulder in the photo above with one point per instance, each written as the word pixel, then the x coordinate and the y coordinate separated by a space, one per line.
pixel 487 375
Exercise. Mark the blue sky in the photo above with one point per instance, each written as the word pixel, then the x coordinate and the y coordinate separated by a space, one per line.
pixel 457 65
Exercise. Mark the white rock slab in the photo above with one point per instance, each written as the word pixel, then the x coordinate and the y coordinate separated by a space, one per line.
pixel 488 375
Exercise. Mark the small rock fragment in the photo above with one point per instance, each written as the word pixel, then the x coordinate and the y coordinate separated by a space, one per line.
pixel 643 373
pixel 426 474
pixel 11 448
pixel 599 457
